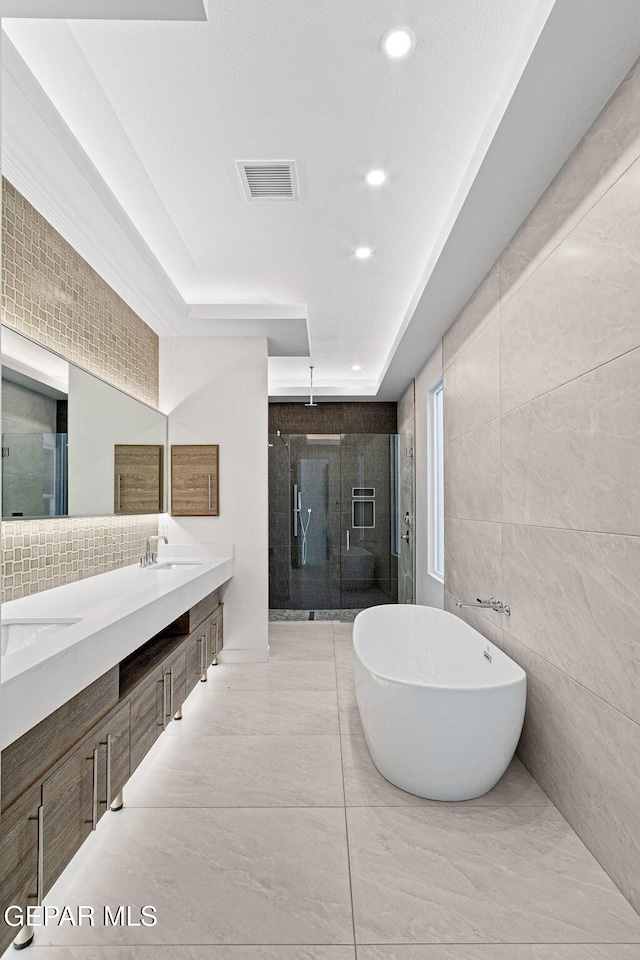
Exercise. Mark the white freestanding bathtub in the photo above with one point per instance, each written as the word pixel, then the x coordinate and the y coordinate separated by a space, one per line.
pixel 442 708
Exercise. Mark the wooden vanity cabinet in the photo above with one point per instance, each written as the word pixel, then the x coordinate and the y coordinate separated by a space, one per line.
pixel 57 788
pixel 78 792
pixel 216 631
pixel 117 730
pixel 28 760
pixel 203 646
pixel 174 669
pixel 155 701
pixel 19 841
pixel 146 716
pixel 194 480
pixel 195 655
pixel 67 800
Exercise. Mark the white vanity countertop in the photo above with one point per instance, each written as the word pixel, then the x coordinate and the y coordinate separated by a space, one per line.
pixel 117 612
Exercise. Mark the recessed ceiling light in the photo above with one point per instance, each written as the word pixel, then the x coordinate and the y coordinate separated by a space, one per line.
pixel 375 177
pixel 356 366
pixel 398 43
pixel 363 253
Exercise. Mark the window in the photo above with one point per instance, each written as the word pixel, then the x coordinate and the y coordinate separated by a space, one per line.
pixel 435 552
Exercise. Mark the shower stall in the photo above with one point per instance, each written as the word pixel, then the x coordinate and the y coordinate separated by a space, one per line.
pixel 335 522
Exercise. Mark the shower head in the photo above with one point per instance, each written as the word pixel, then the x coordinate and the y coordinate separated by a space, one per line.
pixel 279 434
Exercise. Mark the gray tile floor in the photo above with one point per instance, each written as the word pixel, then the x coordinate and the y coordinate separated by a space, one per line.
pixel 260 830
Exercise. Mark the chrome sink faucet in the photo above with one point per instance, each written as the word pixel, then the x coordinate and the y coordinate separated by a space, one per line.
pixel 497 605
pixel 151 556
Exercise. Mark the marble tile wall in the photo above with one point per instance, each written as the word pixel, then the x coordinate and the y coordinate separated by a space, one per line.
pixel 53 296
pixel 542 455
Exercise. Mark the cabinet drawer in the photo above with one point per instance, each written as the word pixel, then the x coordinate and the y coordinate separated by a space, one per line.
pixel 71 804
pixel 29 759
pixel 175 683
pixel 203 610
pixel 146 716
pixel 216 628
pixel 18 858
pixel 195 656
pixel 116 733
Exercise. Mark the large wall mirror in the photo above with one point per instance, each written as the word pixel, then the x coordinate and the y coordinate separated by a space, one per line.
pixel 73 445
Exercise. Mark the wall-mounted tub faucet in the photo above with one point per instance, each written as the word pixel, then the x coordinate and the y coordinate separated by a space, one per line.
pixel 491 604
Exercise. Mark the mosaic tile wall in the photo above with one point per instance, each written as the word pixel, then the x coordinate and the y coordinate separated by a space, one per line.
pixel 52 295
pixel 40 554
pixel 333 417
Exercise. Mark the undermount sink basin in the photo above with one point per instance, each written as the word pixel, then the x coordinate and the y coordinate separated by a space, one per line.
pixel 176 565
pixel 17 634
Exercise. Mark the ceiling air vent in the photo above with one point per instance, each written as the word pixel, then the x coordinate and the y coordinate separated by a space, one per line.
pixel 269 179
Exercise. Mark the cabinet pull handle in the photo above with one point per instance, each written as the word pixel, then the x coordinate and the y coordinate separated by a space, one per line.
pixel 40 875
pixel 170 693
pixel 209 489
pixel 39 856
pixel 94 795
pixel 119 491
pixel 164 700
pixel 107 743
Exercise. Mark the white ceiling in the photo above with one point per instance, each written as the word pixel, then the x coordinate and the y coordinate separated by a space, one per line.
pixel 163 110
pixel 109 9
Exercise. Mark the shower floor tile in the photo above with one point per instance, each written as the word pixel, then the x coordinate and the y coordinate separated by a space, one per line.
pixel 303 616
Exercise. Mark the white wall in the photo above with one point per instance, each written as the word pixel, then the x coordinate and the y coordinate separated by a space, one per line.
pixel 428 590
pixel 214 390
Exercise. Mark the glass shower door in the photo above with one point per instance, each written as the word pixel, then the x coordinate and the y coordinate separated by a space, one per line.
pixel 368 513
pixel 34 474
pixel 334 523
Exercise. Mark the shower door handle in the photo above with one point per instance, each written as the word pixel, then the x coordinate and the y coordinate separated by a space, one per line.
pixel 348 541
pixel 295 509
